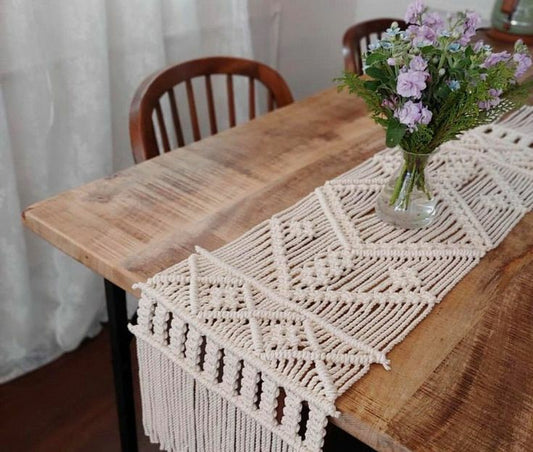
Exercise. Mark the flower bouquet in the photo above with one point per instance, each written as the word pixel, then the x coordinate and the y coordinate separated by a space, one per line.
pixel 426 85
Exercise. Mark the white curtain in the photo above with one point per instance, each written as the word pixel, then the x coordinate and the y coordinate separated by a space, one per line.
pixel 68 71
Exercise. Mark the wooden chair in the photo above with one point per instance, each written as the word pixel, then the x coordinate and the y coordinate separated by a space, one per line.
pixel 352 45
pixel 150 93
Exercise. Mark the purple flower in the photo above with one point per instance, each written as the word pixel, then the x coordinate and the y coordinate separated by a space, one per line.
pixel 523 61
pixel 409 114
pixel 411 83
pixel 413 113
pixel 421 35
pixel 472 21
pixel 492 101
pixel 433 20
pixel 411 31
pixel 418 64
pixel 478 46
pixel 391 61
pixel 414 10
pixel 495 58
pixel 425 115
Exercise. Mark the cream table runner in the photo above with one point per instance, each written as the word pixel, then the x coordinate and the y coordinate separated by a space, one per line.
pixel 246 348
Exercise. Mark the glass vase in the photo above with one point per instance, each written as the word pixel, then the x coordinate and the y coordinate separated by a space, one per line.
pixel 407 200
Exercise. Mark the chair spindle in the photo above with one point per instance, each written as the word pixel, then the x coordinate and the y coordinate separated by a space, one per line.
pixel 270 100
pixel 192 111
pixel 162 127
pixel 176 117
pixel 231 100
pixel 211 104
pixel 251 96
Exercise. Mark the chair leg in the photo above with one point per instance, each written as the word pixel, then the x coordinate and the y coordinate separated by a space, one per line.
pixel 122 373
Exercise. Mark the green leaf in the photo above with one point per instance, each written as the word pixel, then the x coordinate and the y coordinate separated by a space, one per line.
pixel 395 133
pixel 375 58
pixel 377 74
pixel 442 91
pixel 372 85
pixel 463 63
pixel 381 121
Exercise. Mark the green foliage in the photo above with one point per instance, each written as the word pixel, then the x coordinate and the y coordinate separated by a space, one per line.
pixel 395 132
pixel 465 87
pixel 365 89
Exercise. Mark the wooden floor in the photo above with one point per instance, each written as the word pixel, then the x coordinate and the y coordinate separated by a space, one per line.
pixel 69 405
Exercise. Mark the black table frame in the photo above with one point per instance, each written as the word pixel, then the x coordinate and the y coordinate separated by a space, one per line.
pixel 120 338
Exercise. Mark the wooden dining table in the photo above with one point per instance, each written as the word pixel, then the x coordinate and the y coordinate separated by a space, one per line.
pixel 462 380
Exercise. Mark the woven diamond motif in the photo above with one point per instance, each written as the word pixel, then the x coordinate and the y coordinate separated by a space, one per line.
pixel 284 335
pixel 304 303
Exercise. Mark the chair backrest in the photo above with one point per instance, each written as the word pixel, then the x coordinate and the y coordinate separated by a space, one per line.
pixel 151 92
pixel 357 38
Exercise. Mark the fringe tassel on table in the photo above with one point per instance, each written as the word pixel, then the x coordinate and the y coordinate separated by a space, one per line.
pixel 198 397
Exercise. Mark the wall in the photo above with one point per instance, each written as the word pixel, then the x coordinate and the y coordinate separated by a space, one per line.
pixel 306 35
pixel 366 9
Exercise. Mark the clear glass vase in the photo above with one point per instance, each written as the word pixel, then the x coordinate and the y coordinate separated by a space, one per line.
pixel 407 200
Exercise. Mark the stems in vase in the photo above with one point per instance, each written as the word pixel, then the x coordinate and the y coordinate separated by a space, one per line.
pixel 411 175
pixel 406 200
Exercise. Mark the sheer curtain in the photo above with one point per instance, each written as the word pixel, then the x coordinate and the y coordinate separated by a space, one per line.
pixel 68 70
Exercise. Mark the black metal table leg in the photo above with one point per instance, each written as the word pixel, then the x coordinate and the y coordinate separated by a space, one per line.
pixel 122 373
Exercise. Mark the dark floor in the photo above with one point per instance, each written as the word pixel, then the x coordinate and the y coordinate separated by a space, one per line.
pixel 68 405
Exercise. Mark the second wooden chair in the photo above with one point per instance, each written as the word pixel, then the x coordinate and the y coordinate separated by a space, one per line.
pixel 356 40
pixel 147 100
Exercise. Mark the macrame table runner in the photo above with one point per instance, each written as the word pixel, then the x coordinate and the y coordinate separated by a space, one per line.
pixel 246 348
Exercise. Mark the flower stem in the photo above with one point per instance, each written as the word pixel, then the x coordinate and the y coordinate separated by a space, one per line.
pixel 411 176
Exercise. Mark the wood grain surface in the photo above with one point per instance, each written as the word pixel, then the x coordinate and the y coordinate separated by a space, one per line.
pixel 462 380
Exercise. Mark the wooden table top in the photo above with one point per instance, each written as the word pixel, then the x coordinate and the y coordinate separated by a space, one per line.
pixel 462 380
